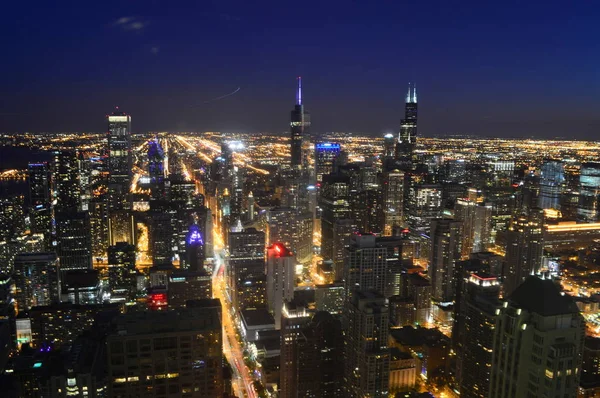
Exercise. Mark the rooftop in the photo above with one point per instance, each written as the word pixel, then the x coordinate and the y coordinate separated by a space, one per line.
pixel 542 296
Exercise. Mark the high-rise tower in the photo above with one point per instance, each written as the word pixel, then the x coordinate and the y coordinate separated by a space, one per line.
pixel 119 159
pixel 407 139
pixel 119 177
pixel 300 125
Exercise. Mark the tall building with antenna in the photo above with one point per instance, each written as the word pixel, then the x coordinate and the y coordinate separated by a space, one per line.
pixel 299 126
pixel 407 139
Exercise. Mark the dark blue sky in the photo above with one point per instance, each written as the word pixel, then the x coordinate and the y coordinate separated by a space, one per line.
pixel 485 68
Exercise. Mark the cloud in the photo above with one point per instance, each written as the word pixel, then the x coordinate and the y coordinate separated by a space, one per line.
pixel 154 50
pixel 131 23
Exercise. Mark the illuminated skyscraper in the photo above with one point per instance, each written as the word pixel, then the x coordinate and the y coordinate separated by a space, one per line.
pixel 280 279
pixel 300 125
pixel 407 138
pixel 367 356
pixel 39 184
pixel 445 252
pixel 65 180
pixel 119 160
pixel 476 312
pixel 524 249
pixel 389 146
pixel 195 249
pixel 156 169
pixel 589 193
pixel 393 199
pixel 365 265
pixel 311 353
pixel 325 155
pixel 37 279
pixel 552 181
pixel 74 240
pixel 119 177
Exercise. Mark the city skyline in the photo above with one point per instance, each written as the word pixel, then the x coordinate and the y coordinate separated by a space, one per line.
pixel 228 67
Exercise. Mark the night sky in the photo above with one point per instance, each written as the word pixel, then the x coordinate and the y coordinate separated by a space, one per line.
pixel 481 68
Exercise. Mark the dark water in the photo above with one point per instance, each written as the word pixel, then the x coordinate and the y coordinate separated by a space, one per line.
pixel 18 158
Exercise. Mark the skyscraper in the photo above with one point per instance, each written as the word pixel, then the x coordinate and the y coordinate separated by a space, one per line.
pixel 156 169
pixel 552 180
pixel 246 259
pixel 280 279
pixel 538 343
pixel 589 193
pixel 311 353
pixel 195 249
pixel 300 125
pixel 407 139
pixel 39 184
pixel 325 155
pixel 119 160
pixel 393 199
pixel 474 334
pixel 119 177
pixel 74 240
pixel 167 352
pixel 365 265
pixel 37 279
pixel 334 202
pixel 445 252
pixel 65 180
pixel 367 367
pixel 524 249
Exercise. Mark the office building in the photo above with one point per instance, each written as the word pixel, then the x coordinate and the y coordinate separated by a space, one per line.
pixel 392 185
pixel 311 353
pixel 12 218
pixel 65 181
pixel 156 169
pixel 194 245
pixel 538 343
pixel 403 371
pixel 334 204
pixel 325 155
pixel 40 199
pixel 474 334
pixel 246 260
pixel 119 160
pixel 589 192
pixel 407 139
pixel 81 286
pixel 367 357
pixel 167 352
pixel 121 269
pixel 281 277
pixel 73 240
pixel 445 252
pixel 552 181
pixel 330 298
pixel 366 265
pixel 524 249
pixel 476 229
pixel 389 147
pixel 300 131
pixel 187 285
pixel 37 279
pixel 60 324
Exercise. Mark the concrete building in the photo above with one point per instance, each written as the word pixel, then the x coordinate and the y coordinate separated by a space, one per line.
pixel 168 353
pixel 281 276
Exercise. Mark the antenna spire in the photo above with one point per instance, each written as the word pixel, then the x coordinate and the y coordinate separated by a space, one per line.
pixel 415 93
pixel 408 94
pixel 299 93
